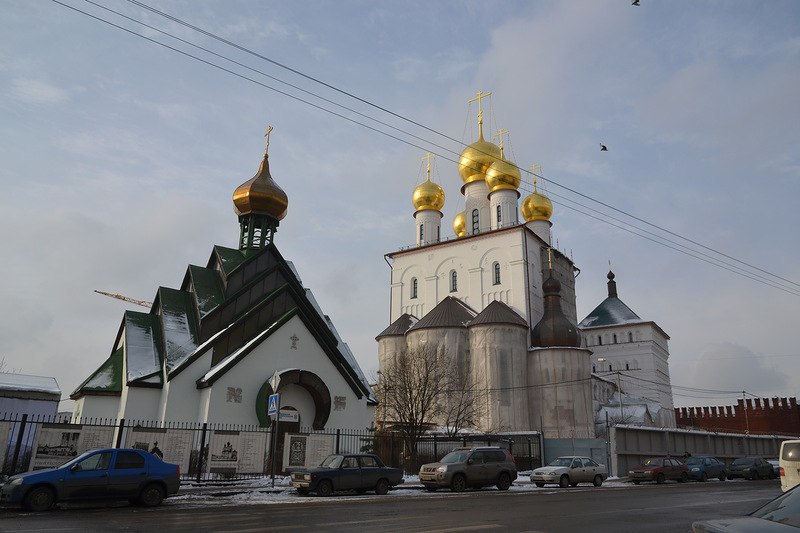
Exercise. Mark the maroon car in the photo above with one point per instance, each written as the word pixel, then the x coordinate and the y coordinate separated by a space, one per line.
pixel 659 469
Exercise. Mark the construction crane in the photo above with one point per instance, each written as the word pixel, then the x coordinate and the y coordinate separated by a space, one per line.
pixel 143 303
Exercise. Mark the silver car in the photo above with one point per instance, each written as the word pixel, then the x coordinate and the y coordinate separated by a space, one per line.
pixel 569 471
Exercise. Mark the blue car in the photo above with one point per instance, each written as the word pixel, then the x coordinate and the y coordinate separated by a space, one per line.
pixel 135 475
pixel 705 467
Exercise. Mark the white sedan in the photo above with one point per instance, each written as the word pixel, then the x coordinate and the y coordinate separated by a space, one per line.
pixel 569 471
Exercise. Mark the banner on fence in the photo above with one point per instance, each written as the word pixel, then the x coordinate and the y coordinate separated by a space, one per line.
pixel 171 445
pixel 306 451
pixel 55 444
pixel 242 452
pixel 5 431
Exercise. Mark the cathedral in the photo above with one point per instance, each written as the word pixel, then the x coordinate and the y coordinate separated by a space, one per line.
pixel 499 300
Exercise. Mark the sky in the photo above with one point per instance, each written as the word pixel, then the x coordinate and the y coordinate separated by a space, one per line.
pixel 120 156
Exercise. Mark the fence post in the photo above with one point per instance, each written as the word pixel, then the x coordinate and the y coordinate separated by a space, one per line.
pixel 119 433
pixel 200 455
pixel 391 449
pixel 435 448
pixel 338 436
pixel 20 434
pixel 530 454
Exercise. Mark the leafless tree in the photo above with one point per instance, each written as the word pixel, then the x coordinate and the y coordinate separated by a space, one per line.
pixel 5 368
pixel 465 401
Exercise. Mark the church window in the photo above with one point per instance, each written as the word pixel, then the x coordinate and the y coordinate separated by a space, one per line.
pixel 615 338
pixel 413 287
pixel 453 281
pixel 627 366
pixel 421 232
pixel 496 269
pixel 438 233
pixel 609 368
pixel 594 369
pixel 499 218
pixel 599 340
pixel 630 337
pixel 475 226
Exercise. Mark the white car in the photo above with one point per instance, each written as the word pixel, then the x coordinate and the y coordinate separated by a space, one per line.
pixel 569 471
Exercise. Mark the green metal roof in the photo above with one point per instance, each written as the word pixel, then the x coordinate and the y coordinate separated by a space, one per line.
pixel 207 289
pixel 107 378
pixel 178 325
pixel 142 345
pixel 229 258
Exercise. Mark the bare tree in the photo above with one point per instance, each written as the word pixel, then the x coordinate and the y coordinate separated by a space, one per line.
pixel 5 368
pixel 464 403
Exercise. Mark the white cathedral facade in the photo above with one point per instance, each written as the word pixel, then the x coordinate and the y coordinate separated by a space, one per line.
pixel 500 301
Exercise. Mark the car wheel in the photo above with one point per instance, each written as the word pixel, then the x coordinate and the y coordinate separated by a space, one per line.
pixel 564 481
pixel 459 483
pixel 598 480
pixel 40 499
pixel 636 482
pixel 722 476
pixel 504 481
pixel 660 479
pixel 152 495
pixel 382 487
pixel 302 492
pixel 539 484
pixel 703 477
pixel 756 475
pixel 430 488
pixel 325 488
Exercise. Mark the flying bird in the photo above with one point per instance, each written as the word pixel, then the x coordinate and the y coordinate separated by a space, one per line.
pixel 635 2
pixel 603 148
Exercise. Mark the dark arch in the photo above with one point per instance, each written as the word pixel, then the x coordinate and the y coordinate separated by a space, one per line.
pixel 310 382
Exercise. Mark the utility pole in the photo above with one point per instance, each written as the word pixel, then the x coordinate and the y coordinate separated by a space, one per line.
pixel 619 389
pixel 746 421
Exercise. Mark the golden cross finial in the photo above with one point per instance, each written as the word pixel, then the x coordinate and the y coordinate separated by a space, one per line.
pixel 549 259
pixel 500 134
pixel 269 130
pixel 480 95
pixel 534 168
pixel 428 156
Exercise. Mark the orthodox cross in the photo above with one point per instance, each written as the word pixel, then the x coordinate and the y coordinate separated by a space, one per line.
pixel 500 134
pixel 479 96
pixel 534 168
pixel 269 130
pixel 549 259
pixel 429 156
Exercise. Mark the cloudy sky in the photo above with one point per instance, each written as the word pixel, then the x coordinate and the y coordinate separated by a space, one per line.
pixel 119 158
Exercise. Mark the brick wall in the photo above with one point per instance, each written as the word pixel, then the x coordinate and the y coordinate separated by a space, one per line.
pixel 778 416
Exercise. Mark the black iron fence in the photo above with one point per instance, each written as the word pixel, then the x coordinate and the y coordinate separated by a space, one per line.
pixel 208 451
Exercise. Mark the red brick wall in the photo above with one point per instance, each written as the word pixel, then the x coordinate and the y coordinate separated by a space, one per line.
pixel 778 416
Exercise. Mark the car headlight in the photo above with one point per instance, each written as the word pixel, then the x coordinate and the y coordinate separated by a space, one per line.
pixel 15 482
pixel 631 472
pixel 307 477
pixel 442 469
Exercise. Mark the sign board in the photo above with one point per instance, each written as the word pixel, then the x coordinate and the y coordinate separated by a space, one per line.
pixel 287 415
pixel 306 451
pixel 273 404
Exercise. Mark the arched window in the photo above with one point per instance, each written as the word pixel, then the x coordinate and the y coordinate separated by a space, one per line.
pixel 499 218
pixel 421 231
pixel 475 225
pixel 453 281
pixel 438 233
pixel 627 366
pixel 594 369
pixel 615 338
pixel 496 269
pixel 599 340
pixel 414 287
pixel 630 337
pixel 609 368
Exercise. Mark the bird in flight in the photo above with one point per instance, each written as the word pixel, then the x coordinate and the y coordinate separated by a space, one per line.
pixel 635 2
pixel 603 148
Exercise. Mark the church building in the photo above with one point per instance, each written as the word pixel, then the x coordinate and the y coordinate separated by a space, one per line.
pixel 206 351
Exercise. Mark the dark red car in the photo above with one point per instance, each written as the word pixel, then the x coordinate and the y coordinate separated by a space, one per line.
pixel 659 469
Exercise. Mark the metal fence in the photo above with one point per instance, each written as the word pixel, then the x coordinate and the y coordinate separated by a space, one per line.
pixel 206 451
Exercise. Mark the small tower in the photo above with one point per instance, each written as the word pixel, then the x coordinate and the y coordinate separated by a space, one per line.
pixel 261 205
pixel 475 160
pixel 428 200
pixel 537 210
pixel 503 180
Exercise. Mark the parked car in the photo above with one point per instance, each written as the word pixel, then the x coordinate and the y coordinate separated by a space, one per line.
pixel 470 467
pixel 790 464
pixel 136 475
pixel 659 469
pixel 569 471
pixel 781 514
pixel 750 468
pixel 704 467
pixel 356 471
pixel 776 466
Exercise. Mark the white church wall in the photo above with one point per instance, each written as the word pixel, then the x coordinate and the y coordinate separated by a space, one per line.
pixel 182 394
pixel 95 406
pixel 141 403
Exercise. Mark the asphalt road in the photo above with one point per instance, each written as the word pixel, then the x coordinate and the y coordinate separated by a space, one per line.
pixel 646 508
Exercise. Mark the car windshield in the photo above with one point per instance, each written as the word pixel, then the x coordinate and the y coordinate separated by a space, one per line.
pixel 78 459
pixel 653 461
pixel 744 461
pixel 785 509
pixel 562 461
pixel 458 456
pixel 332 461
pixel 694 461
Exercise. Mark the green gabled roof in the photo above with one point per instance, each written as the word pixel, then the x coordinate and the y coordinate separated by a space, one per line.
pixel 143 353
pixel 207 289
pixel 178 325
pixel 229 258
pixel 106 379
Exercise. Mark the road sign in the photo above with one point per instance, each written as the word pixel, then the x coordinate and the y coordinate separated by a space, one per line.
pixel 273 404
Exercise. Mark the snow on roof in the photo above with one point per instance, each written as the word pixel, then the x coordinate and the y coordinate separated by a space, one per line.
pixel 23 382
pixel 102 380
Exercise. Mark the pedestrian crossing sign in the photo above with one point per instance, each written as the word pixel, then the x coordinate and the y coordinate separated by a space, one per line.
pixel 272 405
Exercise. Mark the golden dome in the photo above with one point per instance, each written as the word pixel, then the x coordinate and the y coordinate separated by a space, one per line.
pixel 503 174
pixel 428 195
pixel 537 207
pixel 476 159
pixel 460 224
pixel 261 195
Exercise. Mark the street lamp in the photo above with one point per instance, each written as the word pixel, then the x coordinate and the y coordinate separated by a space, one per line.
pixel 619 390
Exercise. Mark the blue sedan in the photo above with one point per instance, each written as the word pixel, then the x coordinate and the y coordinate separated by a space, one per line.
pixel 135 475
pixel 705 467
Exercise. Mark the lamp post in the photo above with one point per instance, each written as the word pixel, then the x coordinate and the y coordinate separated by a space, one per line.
pixel 619 390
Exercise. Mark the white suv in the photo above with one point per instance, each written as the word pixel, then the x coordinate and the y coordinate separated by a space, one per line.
pixel 790 464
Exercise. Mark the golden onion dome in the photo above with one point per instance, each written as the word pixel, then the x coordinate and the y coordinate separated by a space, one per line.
pixel 261 195
pixel 537 207
pixel 476 159
pixel 503 174
pixel 428 195
pixel 460 224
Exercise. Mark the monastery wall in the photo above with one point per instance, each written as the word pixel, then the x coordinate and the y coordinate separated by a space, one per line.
pixel 777 416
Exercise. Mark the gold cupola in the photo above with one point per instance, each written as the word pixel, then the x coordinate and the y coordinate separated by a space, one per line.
pixel 503 174
pixel 460 224
pixel 428 195
pixel 536 206
pixel 260 194
pixel 476 158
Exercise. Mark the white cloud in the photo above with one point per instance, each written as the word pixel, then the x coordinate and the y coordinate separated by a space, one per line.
pixel 37 92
